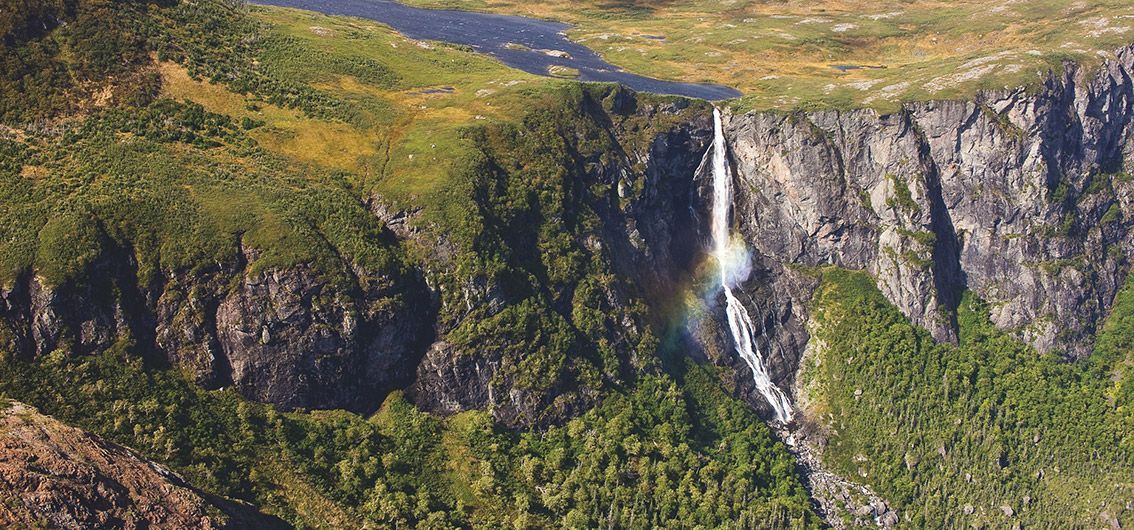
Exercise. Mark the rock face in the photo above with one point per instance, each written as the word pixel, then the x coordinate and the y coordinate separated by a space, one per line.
pixel 290 336
pixel 63 477
pixel 296 341
pixel 1021 198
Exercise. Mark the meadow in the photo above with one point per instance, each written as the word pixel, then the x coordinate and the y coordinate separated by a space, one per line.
pixel 838 53
pixel 403 102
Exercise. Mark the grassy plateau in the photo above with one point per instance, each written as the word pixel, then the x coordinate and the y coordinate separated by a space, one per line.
pixel 800 54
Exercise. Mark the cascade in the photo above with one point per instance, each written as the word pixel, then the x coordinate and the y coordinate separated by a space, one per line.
pixel 734 266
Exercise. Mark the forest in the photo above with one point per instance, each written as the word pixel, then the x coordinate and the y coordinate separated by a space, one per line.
pixel 986 433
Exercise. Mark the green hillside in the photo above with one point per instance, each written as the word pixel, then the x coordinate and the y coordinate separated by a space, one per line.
pixel 956 433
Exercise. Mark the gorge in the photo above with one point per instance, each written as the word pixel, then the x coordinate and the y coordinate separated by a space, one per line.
pixel 354 279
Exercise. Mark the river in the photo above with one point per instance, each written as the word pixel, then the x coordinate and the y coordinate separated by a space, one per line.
pixel 519 42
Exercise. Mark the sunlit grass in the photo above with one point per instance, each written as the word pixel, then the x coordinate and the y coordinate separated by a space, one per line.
pixel 408 132
pixel 781 54
pixel 438 90
pixel 286 131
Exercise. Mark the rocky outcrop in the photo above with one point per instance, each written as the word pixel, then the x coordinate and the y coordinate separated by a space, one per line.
pixel 53 475
pixel 293 339
pixel 293 336
pixel 1020 197
pixel 649 220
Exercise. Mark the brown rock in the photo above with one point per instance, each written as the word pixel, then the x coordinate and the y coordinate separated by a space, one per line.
pixel 67 478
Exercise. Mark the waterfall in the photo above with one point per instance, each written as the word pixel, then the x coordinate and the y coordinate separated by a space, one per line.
pixel 734 266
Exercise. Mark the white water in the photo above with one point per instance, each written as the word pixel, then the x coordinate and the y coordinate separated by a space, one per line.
pixel 734 267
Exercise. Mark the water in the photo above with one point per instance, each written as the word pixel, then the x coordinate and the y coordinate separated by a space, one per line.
pixel 492 34
pixel 734 266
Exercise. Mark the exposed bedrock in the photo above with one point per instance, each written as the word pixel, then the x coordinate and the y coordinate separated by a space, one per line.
pixel 292 336
pixel 56 476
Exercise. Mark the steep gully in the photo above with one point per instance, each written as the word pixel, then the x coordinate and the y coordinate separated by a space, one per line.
pixel 733 266
pixel 836 497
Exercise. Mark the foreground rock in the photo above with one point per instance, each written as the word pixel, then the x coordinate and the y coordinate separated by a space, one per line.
pixel 58 476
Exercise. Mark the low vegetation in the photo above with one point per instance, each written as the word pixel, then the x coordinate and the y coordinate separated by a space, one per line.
pixel 66 56
pixel 271 130
pixel 182 189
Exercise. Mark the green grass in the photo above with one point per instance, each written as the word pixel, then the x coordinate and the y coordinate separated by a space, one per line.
pixel 282 122
pixel 400 104
pixel 129 180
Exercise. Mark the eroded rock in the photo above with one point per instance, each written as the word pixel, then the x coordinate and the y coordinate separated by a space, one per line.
pixel 67 478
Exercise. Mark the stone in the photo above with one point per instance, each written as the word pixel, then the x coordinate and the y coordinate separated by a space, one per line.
pixel 54 475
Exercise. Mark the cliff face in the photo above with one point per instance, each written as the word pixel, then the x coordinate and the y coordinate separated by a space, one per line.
pixel 66 478
pixel 552 291
pixel 291 336
pixel 1021 198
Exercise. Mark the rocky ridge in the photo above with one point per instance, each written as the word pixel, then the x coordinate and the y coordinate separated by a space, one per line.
pixel 290 336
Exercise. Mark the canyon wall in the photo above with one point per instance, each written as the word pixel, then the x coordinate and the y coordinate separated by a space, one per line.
pixel 293 336
pixel 1021 197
